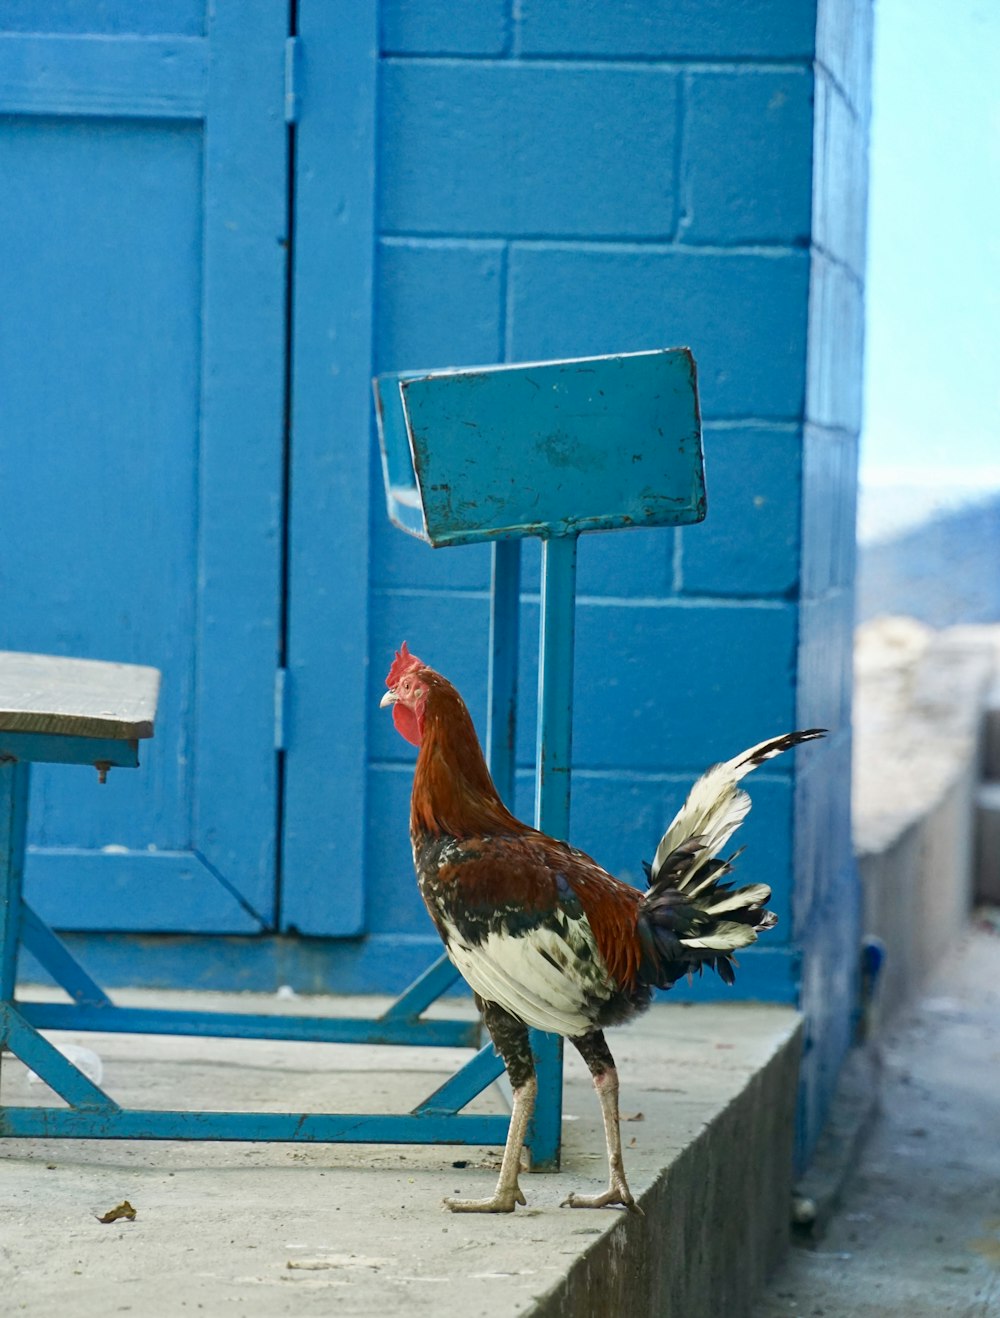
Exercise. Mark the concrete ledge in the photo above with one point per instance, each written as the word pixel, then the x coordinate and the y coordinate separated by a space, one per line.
pixel 988 843
pixel 919 701
pixel 988 802
pixel 716 1214
pixel 263 1229
pixel 918 895
pixel 991 727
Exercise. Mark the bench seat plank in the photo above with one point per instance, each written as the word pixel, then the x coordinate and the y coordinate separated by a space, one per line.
pixel 76 697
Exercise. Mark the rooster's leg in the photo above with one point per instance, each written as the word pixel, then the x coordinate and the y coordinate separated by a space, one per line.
pixel 595 1052
pixel 510 1037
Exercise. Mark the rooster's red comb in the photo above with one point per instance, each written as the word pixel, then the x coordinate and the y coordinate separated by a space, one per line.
pixel 403 663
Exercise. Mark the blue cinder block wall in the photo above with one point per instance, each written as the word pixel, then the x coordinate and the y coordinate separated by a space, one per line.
pixel 590 178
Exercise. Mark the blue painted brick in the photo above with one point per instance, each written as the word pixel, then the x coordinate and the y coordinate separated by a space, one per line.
pixel 840 169
pixel 438 304
pixel 829 497
pixel 392 901
pixel 825 660
pixel 747 157
pixel 628 563
pixel 669 686
pixel 809 836
pixel 686 686
pixel 712 29
pixel 506 148
pixel 398 560
pixel 744 315
pixel 836 345
pixel 822 824
pixel 441 27
pixel 749 543
pixel 844 46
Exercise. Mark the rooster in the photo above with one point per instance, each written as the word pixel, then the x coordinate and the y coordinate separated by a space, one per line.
pixel 544 936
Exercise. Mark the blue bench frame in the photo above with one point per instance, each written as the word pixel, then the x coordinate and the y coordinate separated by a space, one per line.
pixel 498 435
pixel 94 1114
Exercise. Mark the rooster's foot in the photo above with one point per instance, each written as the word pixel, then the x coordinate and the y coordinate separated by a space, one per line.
pixel 617 1193
pixel 503 1201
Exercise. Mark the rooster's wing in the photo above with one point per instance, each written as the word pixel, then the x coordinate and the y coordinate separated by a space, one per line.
pixel 533 925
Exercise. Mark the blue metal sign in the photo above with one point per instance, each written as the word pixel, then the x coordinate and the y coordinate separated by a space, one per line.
pixel 543 449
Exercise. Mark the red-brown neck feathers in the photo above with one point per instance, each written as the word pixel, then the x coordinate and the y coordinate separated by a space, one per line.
pixel 452 789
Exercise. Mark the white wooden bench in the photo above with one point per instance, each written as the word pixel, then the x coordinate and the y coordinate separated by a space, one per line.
pixel 76 711
pixel 57 711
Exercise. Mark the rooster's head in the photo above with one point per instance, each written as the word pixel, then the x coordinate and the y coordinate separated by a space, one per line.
pixel 407 694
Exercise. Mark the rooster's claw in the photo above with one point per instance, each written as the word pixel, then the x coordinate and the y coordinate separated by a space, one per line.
pixel 614 1196
pixel 499 1203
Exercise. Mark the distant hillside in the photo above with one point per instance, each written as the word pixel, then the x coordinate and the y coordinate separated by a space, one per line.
pixel 943 570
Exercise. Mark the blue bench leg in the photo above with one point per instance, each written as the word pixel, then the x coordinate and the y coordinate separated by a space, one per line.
pixel 45 1059
pixel 14 778
pixel 15 1033
pixel 13 816
pixel 52 953
pixel 18 922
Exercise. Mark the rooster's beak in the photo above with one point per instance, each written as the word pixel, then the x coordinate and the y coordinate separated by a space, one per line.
pixel 389 698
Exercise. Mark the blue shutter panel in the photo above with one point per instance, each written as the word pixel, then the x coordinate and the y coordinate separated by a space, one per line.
pixel 143 221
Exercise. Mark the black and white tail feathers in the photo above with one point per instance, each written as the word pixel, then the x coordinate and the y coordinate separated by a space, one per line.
pixel 689 918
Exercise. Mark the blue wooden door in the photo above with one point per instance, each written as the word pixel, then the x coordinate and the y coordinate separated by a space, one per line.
pixel 143 214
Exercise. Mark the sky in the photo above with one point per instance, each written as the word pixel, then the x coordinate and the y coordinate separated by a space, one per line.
pixel 932 371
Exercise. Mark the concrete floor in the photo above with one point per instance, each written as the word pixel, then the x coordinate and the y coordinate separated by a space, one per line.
pixel 260 1230
pixel 917 1234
